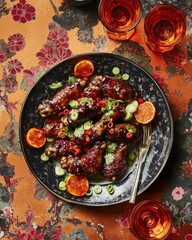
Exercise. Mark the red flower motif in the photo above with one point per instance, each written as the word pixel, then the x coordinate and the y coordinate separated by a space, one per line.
pixel 16 42
pixel 14 66
pixel 31 73
pixel 46 56
pixel 58 37
pixel 2 56
pixel 62 53
pixel 34 235
pixel 23 12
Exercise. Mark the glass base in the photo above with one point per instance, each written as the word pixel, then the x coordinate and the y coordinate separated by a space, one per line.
pixel 158 48
pixel 118 36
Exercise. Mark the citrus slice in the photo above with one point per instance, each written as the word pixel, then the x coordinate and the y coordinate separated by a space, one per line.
pixel 35 138
pixel 84 68
pixel 77 185
pixel 145 112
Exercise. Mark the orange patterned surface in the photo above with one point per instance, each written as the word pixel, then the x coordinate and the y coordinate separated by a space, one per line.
pixel 32 43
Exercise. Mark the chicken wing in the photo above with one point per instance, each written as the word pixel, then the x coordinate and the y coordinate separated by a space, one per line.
pixel 93 88
pixel 87 163
pixel 114 88
pixel 60 100
pixel 53 127
pixel 86 110
pixel 115 169
pixel 62 147
pixel 120 130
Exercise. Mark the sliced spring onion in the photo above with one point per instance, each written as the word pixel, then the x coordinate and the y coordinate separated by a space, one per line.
pixel 128 116
pixel 110 189
pixel 44 157
pixel 97 189
pixel 111 147
pixel 79 131
pixel 109 158
pixel 60 171
pixel 117 88
pixel 116 71
pixel 132 106
pixel 74 114
pixel 70 134
pixel 118 76
pixel 87 125
pixel 73 104
pixel 132 129
pixel 50 139
pixel 62 185
pixel 125 77
pixel 55 85
pixel 84 99
pixel 89 192
pixel 71 80
pixel 132 156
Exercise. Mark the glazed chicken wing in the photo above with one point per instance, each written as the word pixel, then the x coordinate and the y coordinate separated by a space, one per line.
pixel 120 133
pixel 93 88
pixel 86 110
pixel 62 147
pixel 93 134
pixel 53 127
pixel 115 169
pixel 60 100
pixel 87 163
pixel 114 88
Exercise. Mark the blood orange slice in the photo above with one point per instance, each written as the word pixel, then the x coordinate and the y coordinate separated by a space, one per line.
pixel 35 138
pixel 77 185
pixel 84 68
pixel 145 112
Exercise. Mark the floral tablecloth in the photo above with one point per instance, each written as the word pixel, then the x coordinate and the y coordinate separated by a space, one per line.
pixel 36 35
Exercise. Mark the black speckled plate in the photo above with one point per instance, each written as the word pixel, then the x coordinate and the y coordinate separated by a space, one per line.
pixel 162 128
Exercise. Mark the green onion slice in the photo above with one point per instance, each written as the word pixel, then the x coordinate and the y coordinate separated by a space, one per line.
pixel 56 85
pixel 60 171
pixel 74 114
pixel 110 189
pixel 79 131
pixel 125 77
pixel 62 185
pixel 109 158
pixel 89 192
pixel 50 139
pixel 44 157
pixel 87 125
pixel 97 189
pixel 116 71
pixel 132 106
pixel 73 104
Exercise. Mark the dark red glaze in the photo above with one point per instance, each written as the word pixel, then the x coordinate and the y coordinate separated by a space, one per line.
pixel 61 99
pixel 120 133
pixel 62 147
pixel 53 127
pixel 118 89
pixel 87 163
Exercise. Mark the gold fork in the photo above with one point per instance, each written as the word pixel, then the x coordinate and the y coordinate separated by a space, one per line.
pixel 146 141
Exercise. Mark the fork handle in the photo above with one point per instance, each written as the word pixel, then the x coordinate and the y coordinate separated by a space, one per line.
pixel 137 178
